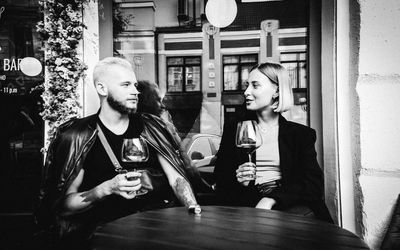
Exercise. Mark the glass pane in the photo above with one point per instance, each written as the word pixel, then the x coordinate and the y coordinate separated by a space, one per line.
pixel 245 75
pixel 216 142
pixel 175 79
pixel 292 70
pixel 288 57
pixel 21 125
pixel 192 79
pixel 231 77
pixel 200 145
pixel 248 59
pixel 175 61
pixel 231 59
pixel 193 60
pixel 303 75
pixel 302 56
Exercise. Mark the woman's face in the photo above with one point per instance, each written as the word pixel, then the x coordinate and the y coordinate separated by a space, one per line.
pixel 259 91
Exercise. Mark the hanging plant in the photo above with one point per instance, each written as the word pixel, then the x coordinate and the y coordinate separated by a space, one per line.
pixel 61 31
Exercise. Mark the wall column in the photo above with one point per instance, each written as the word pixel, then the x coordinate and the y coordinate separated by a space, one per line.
pixel 90 54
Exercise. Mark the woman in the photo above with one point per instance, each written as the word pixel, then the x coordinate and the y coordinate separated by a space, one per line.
pixel 288 176
pixel 150 101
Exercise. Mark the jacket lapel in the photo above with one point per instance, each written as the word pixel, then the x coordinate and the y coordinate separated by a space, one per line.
pixel 285 139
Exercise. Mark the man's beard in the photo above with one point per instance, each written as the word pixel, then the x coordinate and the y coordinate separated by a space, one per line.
pixel 119 106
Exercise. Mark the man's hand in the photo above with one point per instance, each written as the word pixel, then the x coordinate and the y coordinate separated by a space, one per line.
pixel 266 203
pixel 124 185
pixel 246 173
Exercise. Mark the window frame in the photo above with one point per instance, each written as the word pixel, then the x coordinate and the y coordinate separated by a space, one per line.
pixel 298 61
pixel 240 65
pixel 183 66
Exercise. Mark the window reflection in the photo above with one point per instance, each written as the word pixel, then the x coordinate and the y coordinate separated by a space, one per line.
pixel 184 74
pixel 236 71
pixel 175 75
pixel 295 63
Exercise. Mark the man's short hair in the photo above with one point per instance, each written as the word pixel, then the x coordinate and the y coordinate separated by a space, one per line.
pixel 103 65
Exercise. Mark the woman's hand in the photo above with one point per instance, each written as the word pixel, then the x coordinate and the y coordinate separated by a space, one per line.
pixel 124 185
pixel 266 203
pixel 246 173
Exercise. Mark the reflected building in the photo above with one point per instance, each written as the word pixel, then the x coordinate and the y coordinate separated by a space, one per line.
pixel 201 68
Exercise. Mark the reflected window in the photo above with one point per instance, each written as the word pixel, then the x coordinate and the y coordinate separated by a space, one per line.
pixel 295 64
pixel 236 71
pixel 184 74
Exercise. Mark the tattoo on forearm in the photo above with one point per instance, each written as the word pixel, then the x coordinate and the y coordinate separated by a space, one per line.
pixel 184 192
pixel 88 197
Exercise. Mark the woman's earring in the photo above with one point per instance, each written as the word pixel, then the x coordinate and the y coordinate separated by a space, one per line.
pixel 275 96
pixel 275 100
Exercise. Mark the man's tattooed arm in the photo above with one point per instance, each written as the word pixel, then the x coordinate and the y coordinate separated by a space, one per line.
pixel 184 192
pixel 181 187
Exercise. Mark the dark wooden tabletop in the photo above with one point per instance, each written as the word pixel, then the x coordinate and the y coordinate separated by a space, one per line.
pixel 222 228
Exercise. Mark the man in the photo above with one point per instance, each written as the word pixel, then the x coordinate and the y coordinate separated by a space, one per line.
pixel 80 186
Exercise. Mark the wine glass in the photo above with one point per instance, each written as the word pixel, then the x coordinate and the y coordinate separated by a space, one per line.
pixel 135 150
pixel 248 137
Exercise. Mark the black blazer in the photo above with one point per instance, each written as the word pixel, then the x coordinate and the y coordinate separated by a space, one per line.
pixel 302 178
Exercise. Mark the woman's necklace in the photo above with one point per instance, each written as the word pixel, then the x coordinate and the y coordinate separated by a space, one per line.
pixel 264 128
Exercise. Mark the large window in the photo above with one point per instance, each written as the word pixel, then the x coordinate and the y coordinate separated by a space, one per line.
pixel 236 70
pixel 295 63
pixel 184 74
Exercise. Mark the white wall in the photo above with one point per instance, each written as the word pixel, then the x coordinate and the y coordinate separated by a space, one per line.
pixel 378 88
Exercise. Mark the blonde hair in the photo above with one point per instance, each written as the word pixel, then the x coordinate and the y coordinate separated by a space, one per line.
pixel 279 76
pixel 103 65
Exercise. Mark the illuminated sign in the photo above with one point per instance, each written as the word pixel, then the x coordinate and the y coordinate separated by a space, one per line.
pixel 30 66
pixel 17 84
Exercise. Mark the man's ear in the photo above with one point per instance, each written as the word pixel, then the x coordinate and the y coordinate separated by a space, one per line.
pixel 101 88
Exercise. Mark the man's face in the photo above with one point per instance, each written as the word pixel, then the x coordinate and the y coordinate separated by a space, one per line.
pixel 122 94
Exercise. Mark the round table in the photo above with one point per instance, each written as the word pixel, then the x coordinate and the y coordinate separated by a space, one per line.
pixel 222 228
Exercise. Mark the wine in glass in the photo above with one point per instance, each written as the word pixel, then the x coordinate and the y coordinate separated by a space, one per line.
pixel 248 137
pixel 135 150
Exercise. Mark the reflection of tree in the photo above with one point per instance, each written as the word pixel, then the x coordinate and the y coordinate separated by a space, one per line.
pixel 120 21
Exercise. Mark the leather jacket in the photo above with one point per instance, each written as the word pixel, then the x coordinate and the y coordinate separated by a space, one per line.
pixel 72 142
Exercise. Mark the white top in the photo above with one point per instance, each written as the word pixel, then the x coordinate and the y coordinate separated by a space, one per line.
pixel 267 159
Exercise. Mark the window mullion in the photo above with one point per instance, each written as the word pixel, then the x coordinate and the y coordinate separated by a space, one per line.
pixel 184 78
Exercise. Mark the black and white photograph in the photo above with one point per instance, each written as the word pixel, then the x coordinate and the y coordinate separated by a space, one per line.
pixel 199 124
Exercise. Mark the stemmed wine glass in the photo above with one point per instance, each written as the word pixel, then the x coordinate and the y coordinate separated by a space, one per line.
pixel 248 137
pixel 135 150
